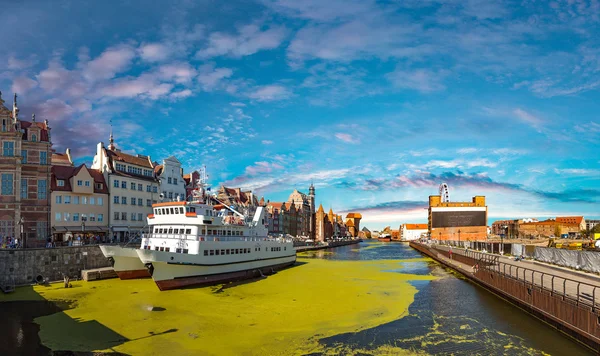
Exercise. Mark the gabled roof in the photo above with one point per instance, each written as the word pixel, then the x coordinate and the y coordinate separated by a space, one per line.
pixel 65 173
pixel 119 156
pixel 354 216
pixel 27 125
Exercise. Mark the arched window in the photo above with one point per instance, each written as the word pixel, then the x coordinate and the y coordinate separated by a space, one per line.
pixel 33 138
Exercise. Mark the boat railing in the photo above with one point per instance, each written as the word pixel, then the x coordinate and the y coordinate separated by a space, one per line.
pixel 219 238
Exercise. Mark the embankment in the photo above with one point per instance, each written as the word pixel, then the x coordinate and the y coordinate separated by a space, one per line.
pixel 568 305
pixel 330 244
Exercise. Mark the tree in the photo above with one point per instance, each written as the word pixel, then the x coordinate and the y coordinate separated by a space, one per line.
pixel 595 230
pixel 557 230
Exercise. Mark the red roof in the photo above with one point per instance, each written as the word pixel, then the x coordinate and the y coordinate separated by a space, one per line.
pixel 570 219
pixel 416 226
pixel 66 172
pixel 26 126
pixel 138 160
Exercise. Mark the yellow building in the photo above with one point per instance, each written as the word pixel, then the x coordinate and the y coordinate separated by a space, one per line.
pixel 466 221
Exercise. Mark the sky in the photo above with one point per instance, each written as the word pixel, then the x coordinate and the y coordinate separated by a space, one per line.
pixel 375 102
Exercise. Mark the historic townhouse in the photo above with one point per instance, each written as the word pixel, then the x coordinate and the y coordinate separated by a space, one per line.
pixel 79 203
pixel 25 154
pixel 132 186
pixel 170 178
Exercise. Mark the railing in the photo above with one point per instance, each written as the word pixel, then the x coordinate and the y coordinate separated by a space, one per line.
pixel 220 238
pixel 580 293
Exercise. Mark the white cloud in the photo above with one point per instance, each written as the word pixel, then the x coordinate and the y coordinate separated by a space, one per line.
pixel 345 137
pixel 237 104
pixel 578 171
pixel 249 40
pixel 22 85
pixel 180 72
pixel 423 80
pixel 262 167
pixel 181 94
pixel 467 150
pixel 20 64
pixel 154 52
pixel 528 118
pixel 270 93
pixel 267 142
pixel 112 61
pixel 211 77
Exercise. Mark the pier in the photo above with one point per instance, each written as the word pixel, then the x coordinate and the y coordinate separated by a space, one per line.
pixel 330 244
pixel 566 300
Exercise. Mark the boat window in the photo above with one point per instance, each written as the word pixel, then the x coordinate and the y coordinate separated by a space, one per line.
pixel 185 250
pixel 167 249
pixel 176 231
pixel 227 251
pixel 170 230
pixel 177 250
pixel 188 231
pixel 171 211
pixel 237 251
pixel 222 252
pixel 212 252
pixel 205 252
pixel 217 252
pixel 181 210
pixel 156 248
pixel 285 248
pixel 209 232
pixel 163 211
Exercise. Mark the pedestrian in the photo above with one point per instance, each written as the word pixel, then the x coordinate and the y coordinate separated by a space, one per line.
pixel 450 252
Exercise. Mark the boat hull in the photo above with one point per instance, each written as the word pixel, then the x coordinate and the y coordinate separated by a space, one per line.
pixel 169 275
pixel 125 261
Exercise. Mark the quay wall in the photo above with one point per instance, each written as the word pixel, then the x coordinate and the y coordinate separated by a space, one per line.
pixel 22 266
pixel 331 244
pixel 580 321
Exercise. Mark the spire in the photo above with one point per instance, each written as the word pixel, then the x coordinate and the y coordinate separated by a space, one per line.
pixel 321 208
pixel 111 140
pixel 1 101
pixel 32 117
pixel 311 189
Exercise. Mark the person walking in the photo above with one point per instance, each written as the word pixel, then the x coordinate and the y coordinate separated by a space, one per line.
pixel 450 252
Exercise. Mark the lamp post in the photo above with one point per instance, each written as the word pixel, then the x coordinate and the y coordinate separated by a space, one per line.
pixel 21 221
pixel 83 231
pixel 458 237
pixel 502 239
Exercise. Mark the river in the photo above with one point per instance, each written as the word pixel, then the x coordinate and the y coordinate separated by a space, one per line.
pixel 367 299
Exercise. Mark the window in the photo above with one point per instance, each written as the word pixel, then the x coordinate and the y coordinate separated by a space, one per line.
pixel 170 195
pixel 148 202
pixel 43 157
pixel 99 185
pixel 174 180
pixel 67 216
pixel 100 217
pixel 116 216
pixel 60 183
pixel 59 199
pixel 76 200
pixel 100 201
pixel 148 189
pixel 3 129
pixel 188 231
pixel 92 201
pixel 133 217
pixel 140 187
pixel 41 189
pixel 41 228
pixel 75 216
pixel 140 201
pixel 132 201
pixel 92 217
pixel 132 186
pixel 154 189
pixel 83 200
pixel 23 156
pixel 121 167
pixel 124 184
pixel 140 217
pixel 116 184
pixel 169 180
pixel 23 188
pixel 205 252
pixel 123 216
pixel 124 200
pixel 58 217
pixel 33 138
pixel 83 217
pixel 87 183
pixel 8 149
pixel 79 183
pixel 116 199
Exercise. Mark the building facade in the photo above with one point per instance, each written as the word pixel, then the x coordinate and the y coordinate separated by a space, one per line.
pixel 551 227
pixel 506 228
pixel 79 204
pixel 466 221
pixel 304 206
pixel 170 179
pixel 353 223
pixel 411 232
pixel 191 183
pixel 132 186
pixel 26 150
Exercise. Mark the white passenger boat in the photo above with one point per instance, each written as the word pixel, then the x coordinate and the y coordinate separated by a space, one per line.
pixel 198 243
pixel 125 261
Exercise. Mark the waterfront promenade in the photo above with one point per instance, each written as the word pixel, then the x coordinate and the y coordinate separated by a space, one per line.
pixel 571 303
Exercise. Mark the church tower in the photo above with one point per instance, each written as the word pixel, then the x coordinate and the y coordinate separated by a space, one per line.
pixel 311 196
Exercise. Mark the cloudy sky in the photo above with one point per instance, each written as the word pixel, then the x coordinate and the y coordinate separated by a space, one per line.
pixel 377 103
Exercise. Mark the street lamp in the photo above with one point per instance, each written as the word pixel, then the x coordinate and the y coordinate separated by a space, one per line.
pixel 458 237
pixel 21 221
pixel 502 239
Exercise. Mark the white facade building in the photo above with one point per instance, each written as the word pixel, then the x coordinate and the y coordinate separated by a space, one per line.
pixel 412 232
pixel 170 177
pixel 132 187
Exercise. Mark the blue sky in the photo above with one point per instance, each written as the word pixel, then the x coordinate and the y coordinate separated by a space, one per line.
pixel 377 103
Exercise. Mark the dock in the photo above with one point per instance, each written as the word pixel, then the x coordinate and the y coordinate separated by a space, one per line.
pixel 567 301
pixel 98 273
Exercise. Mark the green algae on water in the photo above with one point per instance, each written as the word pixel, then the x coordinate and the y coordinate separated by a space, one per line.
pixel 284 314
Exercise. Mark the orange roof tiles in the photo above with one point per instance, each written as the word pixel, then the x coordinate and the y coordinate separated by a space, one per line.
pixel 119 156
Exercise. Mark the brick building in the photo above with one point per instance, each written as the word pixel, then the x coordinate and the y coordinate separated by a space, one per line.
pixel 457 221
pixel 353 223
pixel 26 151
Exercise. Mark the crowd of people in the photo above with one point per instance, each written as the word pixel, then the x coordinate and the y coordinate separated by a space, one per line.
pixel 9 242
